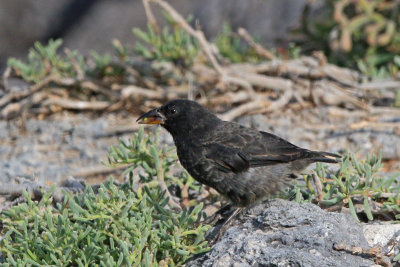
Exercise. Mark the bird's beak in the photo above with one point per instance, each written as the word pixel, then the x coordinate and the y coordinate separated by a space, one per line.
pixel 154 116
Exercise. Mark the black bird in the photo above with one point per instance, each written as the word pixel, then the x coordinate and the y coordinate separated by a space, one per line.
pixel 241 163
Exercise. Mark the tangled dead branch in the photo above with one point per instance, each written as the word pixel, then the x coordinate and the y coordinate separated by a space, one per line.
pixel 264 87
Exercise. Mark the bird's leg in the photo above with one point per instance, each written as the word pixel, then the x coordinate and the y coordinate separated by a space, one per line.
pixel 215 234
pixel 213 219
pixel 231 217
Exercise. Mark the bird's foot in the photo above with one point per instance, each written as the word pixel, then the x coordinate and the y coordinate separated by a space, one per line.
pixel 222 224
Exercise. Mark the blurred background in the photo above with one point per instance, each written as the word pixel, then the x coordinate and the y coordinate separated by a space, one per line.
pixel 91 25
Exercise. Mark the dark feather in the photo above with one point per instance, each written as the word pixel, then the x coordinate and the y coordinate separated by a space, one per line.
pixel 241 163
pixel 227 158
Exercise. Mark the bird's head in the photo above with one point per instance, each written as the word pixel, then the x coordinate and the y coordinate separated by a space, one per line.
pixel 179 117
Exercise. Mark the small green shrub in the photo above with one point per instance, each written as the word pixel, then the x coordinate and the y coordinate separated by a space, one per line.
pixel 126 225
pixel 356 34
pixel 144 151
pixel 232 47
pixel 103 67
pixel 44 60
pixel 115 227
pixel 176 46
pixel 358 183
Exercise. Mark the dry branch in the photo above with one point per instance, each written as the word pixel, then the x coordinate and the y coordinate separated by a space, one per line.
pixel 6 75
pixel 374 125
pixel 150 16
pixel 229 98
pixel 206 47
pixel 374 85
pixel 318 186
pixel 199 35
pixel 6 99
pixel 275 83
pixel 306 80
pixel 138 93
pixel 98 89
pixel 243 109
pixel 263 104
pixel 258 48
pixel 77 105
pixel 97 170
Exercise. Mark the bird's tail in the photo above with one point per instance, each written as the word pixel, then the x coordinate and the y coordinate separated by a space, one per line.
pixel 318 156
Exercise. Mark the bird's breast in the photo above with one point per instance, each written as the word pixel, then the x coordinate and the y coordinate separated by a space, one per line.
pixel 188 154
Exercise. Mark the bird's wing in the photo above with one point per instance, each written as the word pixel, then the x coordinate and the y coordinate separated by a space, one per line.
pixel 227 158
pixel 268 149
pixel 237 148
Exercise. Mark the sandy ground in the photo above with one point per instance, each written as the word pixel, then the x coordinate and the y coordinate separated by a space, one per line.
pixel 71 144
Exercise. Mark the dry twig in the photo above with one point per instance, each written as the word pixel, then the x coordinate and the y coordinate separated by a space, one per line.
pixel 206 47
pixel 374 253
pixel 97 170
pixel 6 99
pixel 77 105
pixel 150 16
pixel 6 75
pixel 199 35
pixel 318 185
pixel 263 104
pixel 258 48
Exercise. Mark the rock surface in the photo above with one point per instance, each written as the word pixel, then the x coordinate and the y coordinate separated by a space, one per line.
pixel 385 235
pixel 283 233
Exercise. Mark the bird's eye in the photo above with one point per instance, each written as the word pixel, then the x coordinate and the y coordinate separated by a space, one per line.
pixel 171 109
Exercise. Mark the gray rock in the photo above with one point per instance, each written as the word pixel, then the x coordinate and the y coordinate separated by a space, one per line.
pixel 283 233
pixel 383 234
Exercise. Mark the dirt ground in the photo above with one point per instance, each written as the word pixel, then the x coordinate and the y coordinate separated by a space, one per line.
pixel 76 144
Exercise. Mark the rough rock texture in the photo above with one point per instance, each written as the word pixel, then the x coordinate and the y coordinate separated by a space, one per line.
pixel 283 233
pixel 383 234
